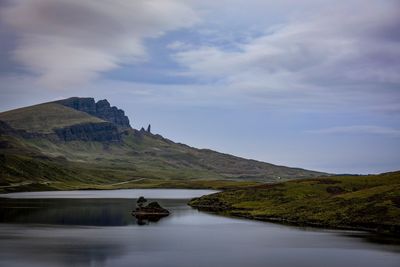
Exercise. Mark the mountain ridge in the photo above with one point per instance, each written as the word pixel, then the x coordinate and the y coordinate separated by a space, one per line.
pixel 73 149
pixel 100 109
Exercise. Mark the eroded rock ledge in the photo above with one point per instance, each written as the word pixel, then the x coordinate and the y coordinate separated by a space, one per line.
pixel 101 132
pixel 102 109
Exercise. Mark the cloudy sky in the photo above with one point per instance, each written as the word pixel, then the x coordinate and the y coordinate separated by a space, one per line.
pixel 310 83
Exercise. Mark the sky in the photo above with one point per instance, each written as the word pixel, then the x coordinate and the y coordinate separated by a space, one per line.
pixel 311 83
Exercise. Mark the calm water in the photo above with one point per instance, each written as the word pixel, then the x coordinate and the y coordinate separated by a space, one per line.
pixel 95 228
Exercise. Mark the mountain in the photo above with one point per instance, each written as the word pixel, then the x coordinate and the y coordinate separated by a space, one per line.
pixel 78 143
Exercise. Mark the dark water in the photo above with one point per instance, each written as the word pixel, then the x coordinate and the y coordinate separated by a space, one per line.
pixel 95 228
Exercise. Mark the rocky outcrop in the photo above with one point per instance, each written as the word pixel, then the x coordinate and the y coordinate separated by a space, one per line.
pixel 6 129
pixel 152 212
pixel 84 104
pixel 111 114
pixel 102 109
pixel 101 132
pixel 153 208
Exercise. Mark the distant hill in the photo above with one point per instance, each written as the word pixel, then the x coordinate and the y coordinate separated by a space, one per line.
pixel 78 143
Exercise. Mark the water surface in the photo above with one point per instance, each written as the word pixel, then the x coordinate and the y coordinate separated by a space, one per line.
pixel 95 228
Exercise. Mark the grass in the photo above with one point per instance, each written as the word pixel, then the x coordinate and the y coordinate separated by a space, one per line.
pixel 139 156
pixel 45 117
pixel 363 202
pixel 26 173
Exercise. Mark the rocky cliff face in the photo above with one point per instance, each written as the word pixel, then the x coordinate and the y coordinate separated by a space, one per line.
pixel 102 109
pixel 111 114
pixel 101 132
pixel 6 129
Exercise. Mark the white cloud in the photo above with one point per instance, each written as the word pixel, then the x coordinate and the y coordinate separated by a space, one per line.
pixel 333 50
pixel 68 42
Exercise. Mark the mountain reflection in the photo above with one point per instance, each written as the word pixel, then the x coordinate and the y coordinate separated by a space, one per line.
pixel 90 212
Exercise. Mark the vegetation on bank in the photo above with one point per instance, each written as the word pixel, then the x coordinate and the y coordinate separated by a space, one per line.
pixel 31 173
pixel 370 202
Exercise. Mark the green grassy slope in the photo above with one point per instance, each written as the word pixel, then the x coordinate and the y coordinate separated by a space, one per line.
pixel 369 202
pixel 141 159
pixel 45 117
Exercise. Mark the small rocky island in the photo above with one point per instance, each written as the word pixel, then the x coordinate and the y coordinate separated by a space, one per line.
pixel 152 212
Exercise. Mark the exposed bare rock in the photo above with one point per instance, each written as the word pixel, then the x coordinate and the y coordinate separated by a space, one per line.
pixel 102 132
pixel 102 109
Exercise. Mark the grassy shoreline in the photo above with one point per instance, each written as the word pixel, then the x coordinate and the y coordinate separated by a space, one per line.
pixel 294 223
pixel 370 203
pixel 142 183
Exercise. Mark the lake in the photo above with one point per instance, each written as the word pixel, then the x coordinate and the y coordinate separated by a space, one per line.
pixel 96 228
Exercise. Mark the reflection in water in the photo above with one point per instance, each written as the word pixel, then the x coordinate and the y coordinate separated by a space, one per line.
pixel 102 232
pixel 44 246
pixel 95 212
pixel 388 241
pixel 66 211
pixel 148 218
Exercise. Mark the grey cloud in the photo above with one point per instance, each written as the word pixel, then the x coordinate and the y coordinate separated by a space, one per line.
pixel 351 46
pixel 359 129
pixel 67 42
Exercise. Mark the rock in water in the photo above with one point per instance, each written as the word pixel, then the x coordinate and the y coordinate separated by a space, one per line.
pixel 140 202
pixel 153 208
pixel 153 211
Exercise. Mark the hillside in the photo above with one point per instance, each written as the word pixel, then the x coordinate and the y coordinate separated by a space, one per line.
pixel 369 202
pixel 78 143
pixel 44 118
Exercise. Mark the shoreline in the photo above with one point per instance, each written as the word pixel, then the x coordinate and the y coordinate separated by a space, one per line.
pixel 142 184
pixel 283 221
pixel 366 203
